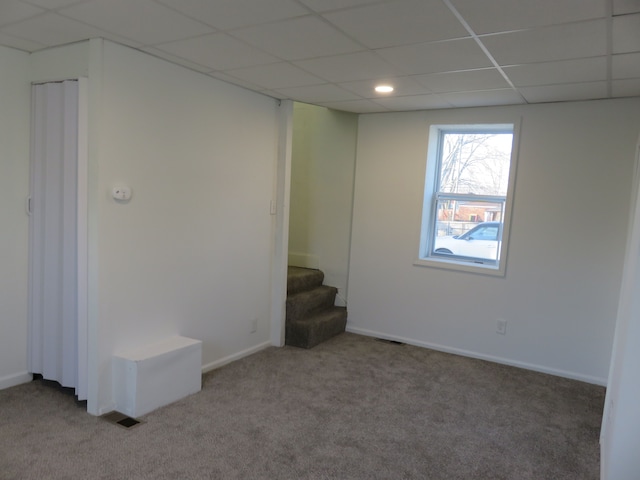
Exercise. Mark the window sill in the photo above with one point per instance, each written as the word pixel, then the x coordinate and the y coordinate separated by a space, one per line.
pixel 460 266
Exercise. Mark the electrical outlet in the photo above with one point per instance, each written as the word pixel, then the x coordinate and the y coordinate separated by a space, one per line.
pixel 254 325
pixel 501 327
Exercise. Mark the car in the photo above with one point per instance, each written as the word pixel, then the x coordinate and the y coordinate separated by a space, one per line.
pixel 482 241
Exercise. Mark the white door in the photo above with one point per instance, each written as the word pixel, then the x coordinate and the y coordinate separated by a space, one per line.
pixel 53 276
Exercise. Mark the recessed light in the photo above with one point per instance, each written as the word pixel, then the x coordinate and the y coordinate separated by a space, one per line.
pixel 384 89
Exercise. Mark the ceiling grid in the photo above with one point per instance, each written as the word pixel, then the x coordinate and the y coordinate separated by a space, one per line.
pixel 436 53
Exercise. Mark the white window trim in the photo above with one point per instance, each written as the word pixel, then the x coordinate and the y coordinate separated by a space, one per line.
pixel 428 212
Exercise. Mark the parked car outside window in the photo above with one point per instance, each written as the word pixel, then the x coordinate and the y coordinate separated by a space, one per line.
pixel 482 241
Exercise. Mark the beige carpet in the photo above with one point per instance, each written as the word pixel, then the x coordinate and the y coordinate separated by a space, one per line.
pixel 351 408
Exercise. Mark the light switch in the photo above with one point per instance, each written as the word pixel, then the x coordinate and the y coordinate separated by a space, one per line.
pixel 121 192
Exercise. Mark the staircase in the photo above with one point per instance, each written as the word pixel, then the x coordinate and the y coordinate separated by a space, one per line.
pixel 312 317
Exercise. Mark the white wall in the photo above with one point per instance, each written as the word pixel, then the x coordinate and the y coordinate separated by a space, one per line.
pixel 322 174
pixel 620 433
pixel 14 188
pixel 60 63
pixel 568 233
pixel 190 254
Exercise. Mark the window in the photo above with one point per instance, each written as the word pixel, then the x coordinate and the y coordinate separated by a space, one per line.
pixel 467 197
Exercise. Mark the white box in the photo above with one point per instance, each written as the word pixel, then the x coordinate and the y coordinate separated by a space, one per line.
pixel 156 375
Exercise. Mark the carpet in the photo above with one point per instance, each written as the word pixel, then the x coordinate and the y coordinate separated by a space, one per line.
pixel 351 408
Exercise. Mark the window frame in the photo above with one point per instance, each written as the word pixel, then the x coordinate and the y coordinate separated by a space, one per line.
pixel 428 226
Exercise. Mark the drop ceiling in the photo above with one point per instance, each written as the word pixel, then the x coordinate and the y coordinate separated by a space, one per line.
pixel 436 53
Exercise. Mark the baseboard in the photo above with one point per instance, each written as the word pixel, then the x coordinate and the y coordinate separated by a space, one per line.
pixel 108 408
pixel 304 260
pixel 480 356
pixel 16 379
pixel 236 356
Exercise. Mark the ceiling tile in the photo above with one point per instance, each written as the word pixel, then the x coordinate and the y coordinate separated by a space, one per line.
pixel 626 33
pixel 506 96
pixel 141 20
pixel 226 14
pixel 565 71
pixel 484 79
pixel 54 4
pixel 626 88
pixel 399 23
pixel 356 106
pixel 20 43
pixel 413 102
pixel 235 81
pixel 274 94
pixel 402 86
pixel 275 75
pixel 318 93
pixel 552 50
pixel 625 66
pixel 305 37
pixel 218 51
pixel 450 55
pixel 51 29
pixel 328 5
pixel 621 7
pixel 156 52
pixel 483 16
pixel 351 67
pixel 14 11
pixel 561 42
pixel 566 92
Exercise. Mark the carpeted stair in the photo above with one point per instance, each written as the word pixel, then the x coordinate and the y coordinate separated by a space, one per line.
pixel 312 316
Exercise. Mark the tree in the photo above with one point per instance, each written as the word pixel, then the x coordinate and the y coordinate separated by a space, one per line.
pixel 475 163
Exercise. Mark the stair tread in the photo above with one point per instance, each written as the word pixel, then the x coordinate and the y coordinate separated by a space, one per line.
pixel 311 314
pixel 323 315
pixel 315 329
pixel 300 279
pixel 319 290
pixel 307 302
